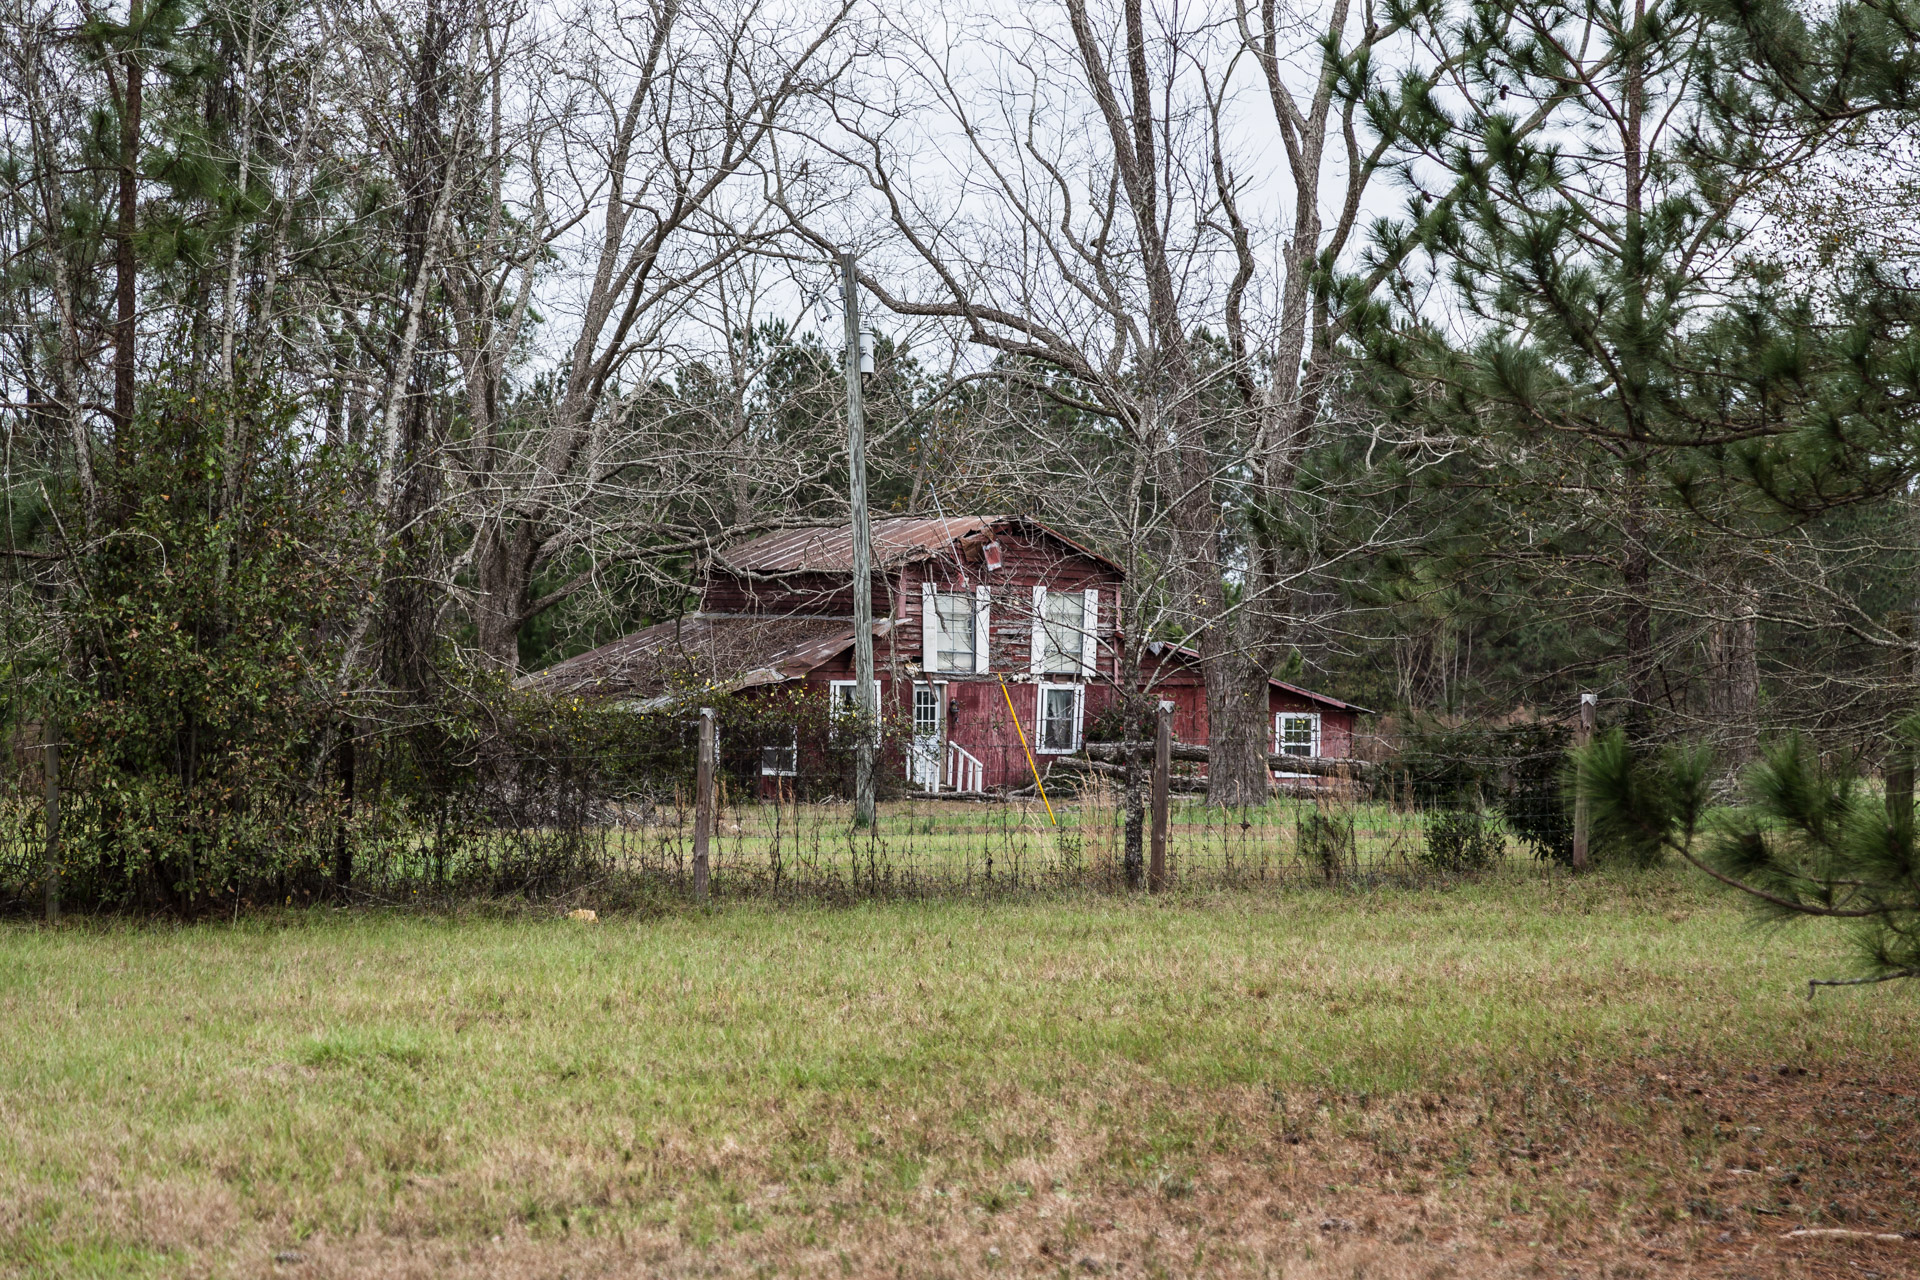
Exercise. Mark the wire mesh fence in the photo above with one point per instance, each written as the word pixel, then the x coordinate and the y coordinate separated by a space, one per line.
pixel 786 827
pixel 925 845
pixel 559 822
pixel 22 844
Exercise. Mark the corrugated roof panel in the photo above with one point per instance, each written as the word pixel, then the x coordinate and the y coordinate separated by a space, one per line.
pixel 897 540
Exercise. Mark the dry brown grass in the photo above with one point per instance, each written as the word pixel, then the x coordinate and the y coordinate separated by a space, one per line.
pixel 1658 1169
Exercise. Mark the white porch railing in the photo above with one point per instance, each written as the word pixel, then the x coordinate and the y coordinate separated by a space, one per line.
pixel 965 772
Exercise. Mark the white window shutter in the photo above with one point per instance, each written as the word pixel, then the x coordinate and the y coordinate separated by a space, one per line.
pixel 929 629
pixel 1089 628
pixel 981 631
pixel 1037 654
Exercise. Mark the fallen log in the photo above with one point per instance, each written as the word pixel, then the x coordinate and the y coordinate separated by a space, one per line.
pixel 1080 764
pixel 964 797
pixel 1290 788
pixel 1843 1233
pixel 1067 766
pixel 1317 766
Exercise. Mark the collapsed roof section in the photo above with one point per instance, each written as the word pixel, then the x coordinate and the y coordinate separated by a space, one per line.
pixel 667 661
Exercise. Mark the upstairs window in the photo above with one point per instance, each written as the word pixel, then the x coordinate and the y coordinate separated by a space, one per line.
pixel 954 615
pixel 1063 632
pixel 953 635
pixel 1296 733
pixel 1060 632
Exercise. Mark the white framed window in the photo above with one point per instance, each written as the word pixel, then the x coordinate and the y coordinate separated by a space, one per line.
pixel 1056 723
pixel 1064 624
pixel 926 710
pixel 953 629
pixel 781 761
pixel 843 708
pixel 841 700
pixel 1296 733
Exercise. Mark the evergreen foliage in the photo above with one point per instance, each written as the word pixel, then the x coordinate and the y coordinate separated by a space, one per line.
pixel 1808 840
pixel 207 636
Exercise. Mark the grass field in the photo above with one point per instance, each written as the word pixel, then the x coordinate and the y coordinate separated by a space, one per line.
pixel 1528 1076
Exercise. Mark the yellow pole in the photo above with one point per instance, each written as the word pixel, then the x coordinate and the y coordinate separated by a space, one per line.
pixel 1038 785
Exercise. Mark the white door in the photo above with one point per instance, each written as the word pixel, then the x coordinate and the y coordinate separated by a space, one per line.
pixel 923 761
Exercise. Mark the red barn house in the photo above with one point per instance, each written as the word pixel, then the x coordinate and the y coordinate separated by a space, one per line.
pixel 978 621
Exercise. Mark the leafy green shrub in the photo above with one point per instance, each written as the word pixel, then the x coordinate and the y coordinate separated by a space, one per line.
pixel 206 633
pixel 1447 766
pixel 1533 799
pixel 1461 840
pixel 1519 769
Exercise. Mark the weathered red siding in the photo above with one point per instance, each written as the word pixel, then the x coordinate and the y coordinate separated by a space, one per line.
pixel 977 718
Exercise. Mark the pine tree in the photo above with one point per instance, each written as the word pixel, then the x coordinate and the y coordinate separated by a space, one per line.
pixel 1610 328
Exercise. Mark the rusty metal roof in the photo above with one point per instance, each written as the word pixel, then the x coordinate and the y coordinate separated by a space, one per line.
pixel 897 540
pixel 1324 699
pixel 1190 654
pixel 699 653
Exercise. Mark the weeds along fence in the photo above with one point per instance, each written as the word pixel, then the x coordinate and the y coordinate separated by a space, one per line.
pixel 781 823
pixel 928 845
pixel 563 815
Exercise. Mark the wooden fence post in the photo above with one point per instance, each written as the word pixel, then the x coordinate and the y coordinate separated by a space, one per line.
pixel 703 806
pixel 51 767
pixel 1582 736
pixel 1162 769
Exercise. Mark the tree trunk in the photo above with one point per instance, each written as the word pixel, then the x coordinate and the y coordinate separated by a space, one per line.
pixel 1733 656
pixel 343 837
pixel 1636 604
pixel 124 271
pixel 1133 797
pixel 1636 615
pixel 502 568
pixel 1135 853
pixel 50 769
pixel 1236 723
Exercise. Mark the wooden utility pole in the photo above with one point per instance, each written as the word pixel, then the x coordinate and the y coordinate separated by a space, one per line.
pixel 703 806
pixel 1582 736
pixel 1162 786
pixel 51 767
pixel 864 694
